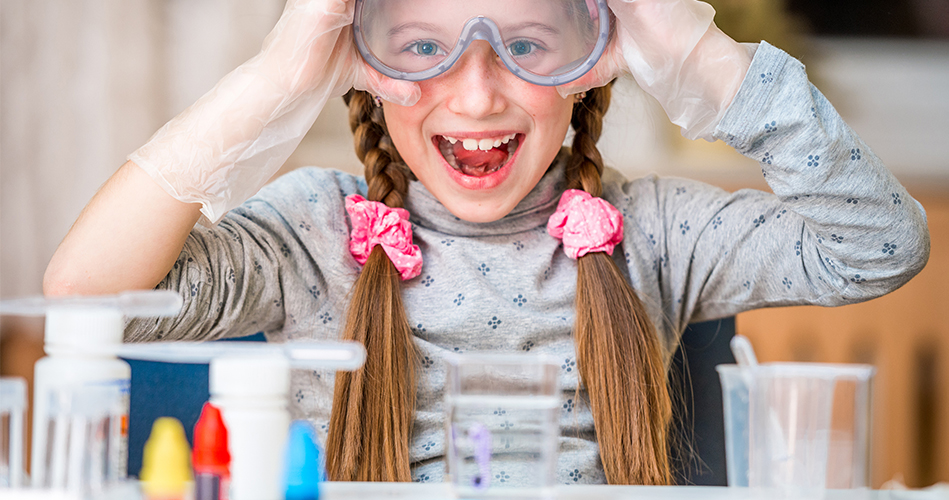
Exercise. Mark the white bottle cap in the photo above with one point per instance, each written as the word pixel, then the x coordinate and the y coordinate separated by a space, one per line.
pixel 250 376
pixel 83 328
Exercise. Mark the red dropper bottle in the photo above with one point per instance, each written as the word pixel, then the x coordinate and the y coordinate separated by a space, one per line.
pixel 210 458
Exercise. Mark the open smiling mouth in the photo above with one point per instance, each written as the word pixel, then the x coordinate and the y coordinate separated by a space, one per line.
pixel 477 157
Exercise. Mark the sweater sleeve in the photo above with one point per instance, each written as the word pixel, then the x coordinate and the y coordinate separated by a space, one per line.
pixel 273 265
pixel 838 228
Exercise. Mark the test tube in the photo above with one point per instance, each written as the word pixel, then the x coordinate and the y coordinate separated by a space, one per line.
pixel 12 410
pixel 82 438
pixel 80 337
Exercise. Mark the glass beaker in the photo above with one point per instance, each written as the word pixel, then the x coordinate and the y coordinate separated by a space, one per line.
pixel 502 425
pixel 802 427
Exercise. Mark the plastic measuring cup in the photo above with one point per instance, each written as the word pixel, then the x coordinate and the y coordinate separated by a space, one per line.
pixel 503 425
pixel 802 427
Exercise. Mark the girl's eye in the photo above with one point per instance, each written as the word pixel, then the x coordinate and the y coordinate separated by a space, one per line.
pixel 520 48
pixel 424 48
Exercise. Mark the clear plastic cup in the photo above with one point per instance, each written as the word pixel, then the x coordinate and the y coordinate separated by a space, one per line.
pixel 503 425
pixel 797 427
pixel 12 411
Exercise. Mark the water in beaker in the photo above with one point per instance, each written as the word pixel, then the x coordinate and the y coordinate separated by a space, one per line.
pixel 503 425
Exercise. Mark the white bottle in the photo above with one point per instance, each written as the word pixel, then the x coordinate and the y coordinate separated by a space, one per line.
pixel 77 344
pixel 252 393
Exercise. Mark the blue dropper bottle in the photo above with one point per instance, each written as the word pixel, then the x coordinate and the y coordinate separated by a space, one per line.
pixel 303 463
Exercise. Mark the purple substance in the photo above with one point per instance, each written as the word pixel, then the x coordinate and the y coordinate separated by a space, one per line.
pixel 480 438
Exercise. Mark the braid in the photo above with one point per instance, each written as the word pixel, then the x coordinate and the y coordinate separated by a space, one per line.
pixel 585 165
pixel 386 175
pixel 618 353
pixel 374 406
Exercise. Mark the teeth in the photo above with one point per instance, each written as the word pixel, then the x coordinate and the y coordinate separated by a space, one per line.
pixel 483 144
pixel 448 151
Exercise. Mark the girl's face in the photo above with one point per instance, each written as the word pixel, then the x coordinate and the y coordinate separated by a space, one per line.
pixel 480 138
pixel 448 138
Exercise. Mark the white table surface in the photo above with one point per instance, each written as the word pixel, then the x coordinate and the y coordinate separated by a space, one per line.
pixel 442 491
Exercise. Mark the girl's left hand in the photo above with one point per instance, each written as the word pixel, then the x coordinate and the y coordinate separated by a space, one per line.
pixel 676 53
pixel 311 48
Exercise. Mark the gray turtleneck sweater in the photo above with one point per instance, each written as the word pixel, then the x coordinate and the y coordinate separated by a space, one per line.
pixel 837 229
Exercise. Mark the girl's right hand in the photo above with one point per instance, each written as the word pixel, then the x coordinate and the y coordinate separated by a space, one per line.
pixel 227 145
pixel 215 154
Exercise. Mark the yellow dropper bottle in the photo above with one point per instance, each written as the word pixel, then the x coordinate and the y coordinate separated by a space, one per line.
pixel 166 462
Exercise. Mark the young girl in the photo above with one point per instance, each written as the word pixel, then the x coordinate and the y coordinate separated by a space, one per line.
pixel 468 141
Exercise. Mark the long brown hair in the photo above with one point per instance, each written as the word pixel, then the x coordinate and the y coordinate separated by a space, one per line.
pixel 618 352
pixel 373 407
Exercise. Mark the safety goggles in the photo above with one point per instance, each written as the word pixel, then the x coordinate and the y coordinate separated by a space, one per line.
pixel 545 42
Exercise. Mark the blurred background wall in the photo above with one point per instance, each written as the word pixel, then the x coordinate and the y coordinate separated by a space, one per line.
pixel 85 82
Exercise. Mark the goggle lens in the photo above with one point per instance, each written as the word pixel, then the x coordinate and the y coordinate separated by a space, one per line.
pixel 419 39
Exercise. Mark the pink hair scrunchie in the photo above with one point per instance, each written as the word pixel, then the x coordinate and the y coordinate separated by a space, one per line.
pixel 376 223
pixel 585 224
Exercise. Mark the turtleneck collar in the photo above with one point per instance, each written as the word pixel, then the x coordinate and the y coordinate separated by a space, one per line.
pixel 532 212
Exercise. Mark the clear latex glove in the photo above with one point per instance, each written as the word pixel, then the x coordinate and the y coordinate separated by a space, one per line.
pixel 228 144
pixel 676 53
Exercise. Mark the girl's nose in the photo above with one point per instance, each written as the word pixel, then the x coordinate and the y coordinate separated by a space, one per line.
pixel 477 81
